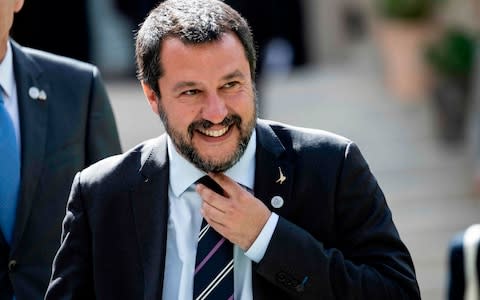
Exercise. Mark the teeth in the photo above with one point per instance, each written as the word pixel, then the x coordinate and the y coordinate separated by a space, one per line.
pixel 214 133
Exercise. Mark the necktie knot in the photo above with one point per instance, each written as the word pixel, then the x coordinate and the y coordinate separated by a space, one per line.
pixel 211 184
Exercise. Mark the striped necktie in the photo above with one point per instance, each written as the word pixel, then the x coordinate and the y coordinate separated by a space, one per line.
pixel 9 172
pixel 213 278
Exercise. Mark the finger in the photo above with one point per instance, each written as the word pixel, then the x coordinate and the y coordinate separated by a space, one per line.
pixel 213 214
pixel 212 198
pixel 230 186
pixel 206 190
pixel 218 219
pixel 218 227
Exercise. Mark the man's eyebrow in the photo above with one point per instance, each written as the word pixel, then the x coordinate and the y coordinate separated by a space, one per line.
pixel 188 84
pixel 234 74
pixel 183 84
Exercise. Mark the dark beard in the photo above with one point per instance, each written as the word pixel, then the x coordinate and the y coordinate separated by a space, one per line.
pixel 191 154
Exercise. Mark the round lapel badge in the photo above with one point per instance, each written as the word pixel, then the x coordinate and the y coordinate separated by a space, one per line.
pixel 33 92
pixel 277 201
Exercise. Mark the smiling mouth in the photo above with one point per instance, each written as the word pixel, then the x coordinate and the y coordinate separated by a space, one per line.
pixel 214 133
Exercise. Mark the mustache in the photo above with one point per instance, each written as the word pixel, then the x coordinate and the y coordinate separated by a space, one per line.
pixel 205 124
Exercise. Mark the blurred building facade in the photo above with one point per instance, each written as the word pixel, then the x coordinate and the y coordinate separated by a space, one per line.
pixel 103 34
pixel 330 29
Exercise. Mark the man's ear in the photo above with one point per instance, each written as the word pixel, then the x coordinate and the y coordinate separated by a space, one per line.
pixel 18 5
pixel 151 97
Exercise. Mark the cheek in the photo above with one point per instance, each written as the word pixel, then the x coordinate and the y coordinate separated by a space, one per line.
pixel 242 103
pixel 246 109
pixel 180 117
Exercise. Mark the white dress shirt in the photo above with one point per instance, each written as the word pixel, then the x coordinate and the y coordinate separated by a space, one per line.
pixel 184 225
pixel 8 88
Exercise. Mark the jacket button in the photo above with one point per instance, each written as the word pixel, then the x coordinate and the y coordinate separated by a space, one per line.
pixel 11 265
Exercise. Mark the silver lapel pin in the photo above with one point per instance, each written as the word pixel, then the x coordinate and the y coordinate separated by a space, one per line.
pixel 277 201
pixel 42 95
pixel 282 178
pixel 33 92
pixel 37 94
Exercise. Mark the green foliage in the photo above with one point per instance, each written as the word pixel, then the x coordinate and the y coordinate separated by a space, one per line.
pixel 453 53
pixel 412 10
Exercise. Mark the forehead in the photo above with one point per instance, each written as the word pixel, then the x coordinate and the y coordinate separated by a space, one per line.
pixel 214 55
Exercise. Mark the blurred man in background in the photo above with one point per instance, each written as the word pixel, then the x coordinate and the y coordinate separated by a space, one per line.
pixel 55 119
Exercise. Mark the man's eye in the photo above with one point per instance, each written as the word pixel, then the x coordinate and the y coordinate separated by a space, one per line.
pixel 190 92
pixel 230 84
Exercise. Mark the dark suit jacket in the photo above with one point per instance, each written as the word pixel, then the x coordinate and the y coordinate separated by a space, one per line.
pixel 335 238
pixel 61 135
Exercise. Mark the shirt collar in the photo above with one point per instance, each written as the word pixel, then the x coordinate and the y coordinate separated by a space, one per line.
pixel 7 82
pixel 183 173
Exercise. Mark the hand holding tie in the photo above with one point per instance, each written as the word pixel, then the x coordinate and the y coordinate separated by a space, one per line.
pixel 237 215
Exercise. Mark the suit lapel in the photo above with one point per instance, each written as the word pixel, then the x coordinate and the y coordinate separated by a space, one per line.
pixel 271 157
pixel 273 171
pixel 33 127
pixel 150 210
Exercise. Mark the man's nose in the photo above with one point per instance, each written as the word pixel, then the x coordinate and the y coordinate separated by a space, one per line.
pixel 214 109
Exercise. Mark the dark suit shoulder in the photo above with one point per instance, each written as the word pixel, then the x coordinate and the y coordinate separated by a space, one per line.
pixel 305 139
pixel 120 171
pixel 57 70
pixel 54 62
pixel 314 153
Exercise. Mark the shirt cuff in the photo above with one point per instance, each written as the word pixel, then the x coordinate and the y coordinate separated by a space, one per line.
pixel 259 246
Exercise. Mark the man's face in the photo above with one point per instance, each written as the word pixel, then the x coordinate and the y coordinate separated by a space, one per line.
pixel 207 101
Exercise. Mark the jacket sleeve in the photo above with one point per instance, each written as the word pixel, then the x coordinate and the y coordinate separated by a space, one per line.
pixel 102 135
pixel 72 267
pixel 364 257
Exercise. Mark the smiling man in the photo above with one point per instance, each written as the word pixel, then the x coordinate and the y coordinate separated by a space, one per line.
pixel 225 205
